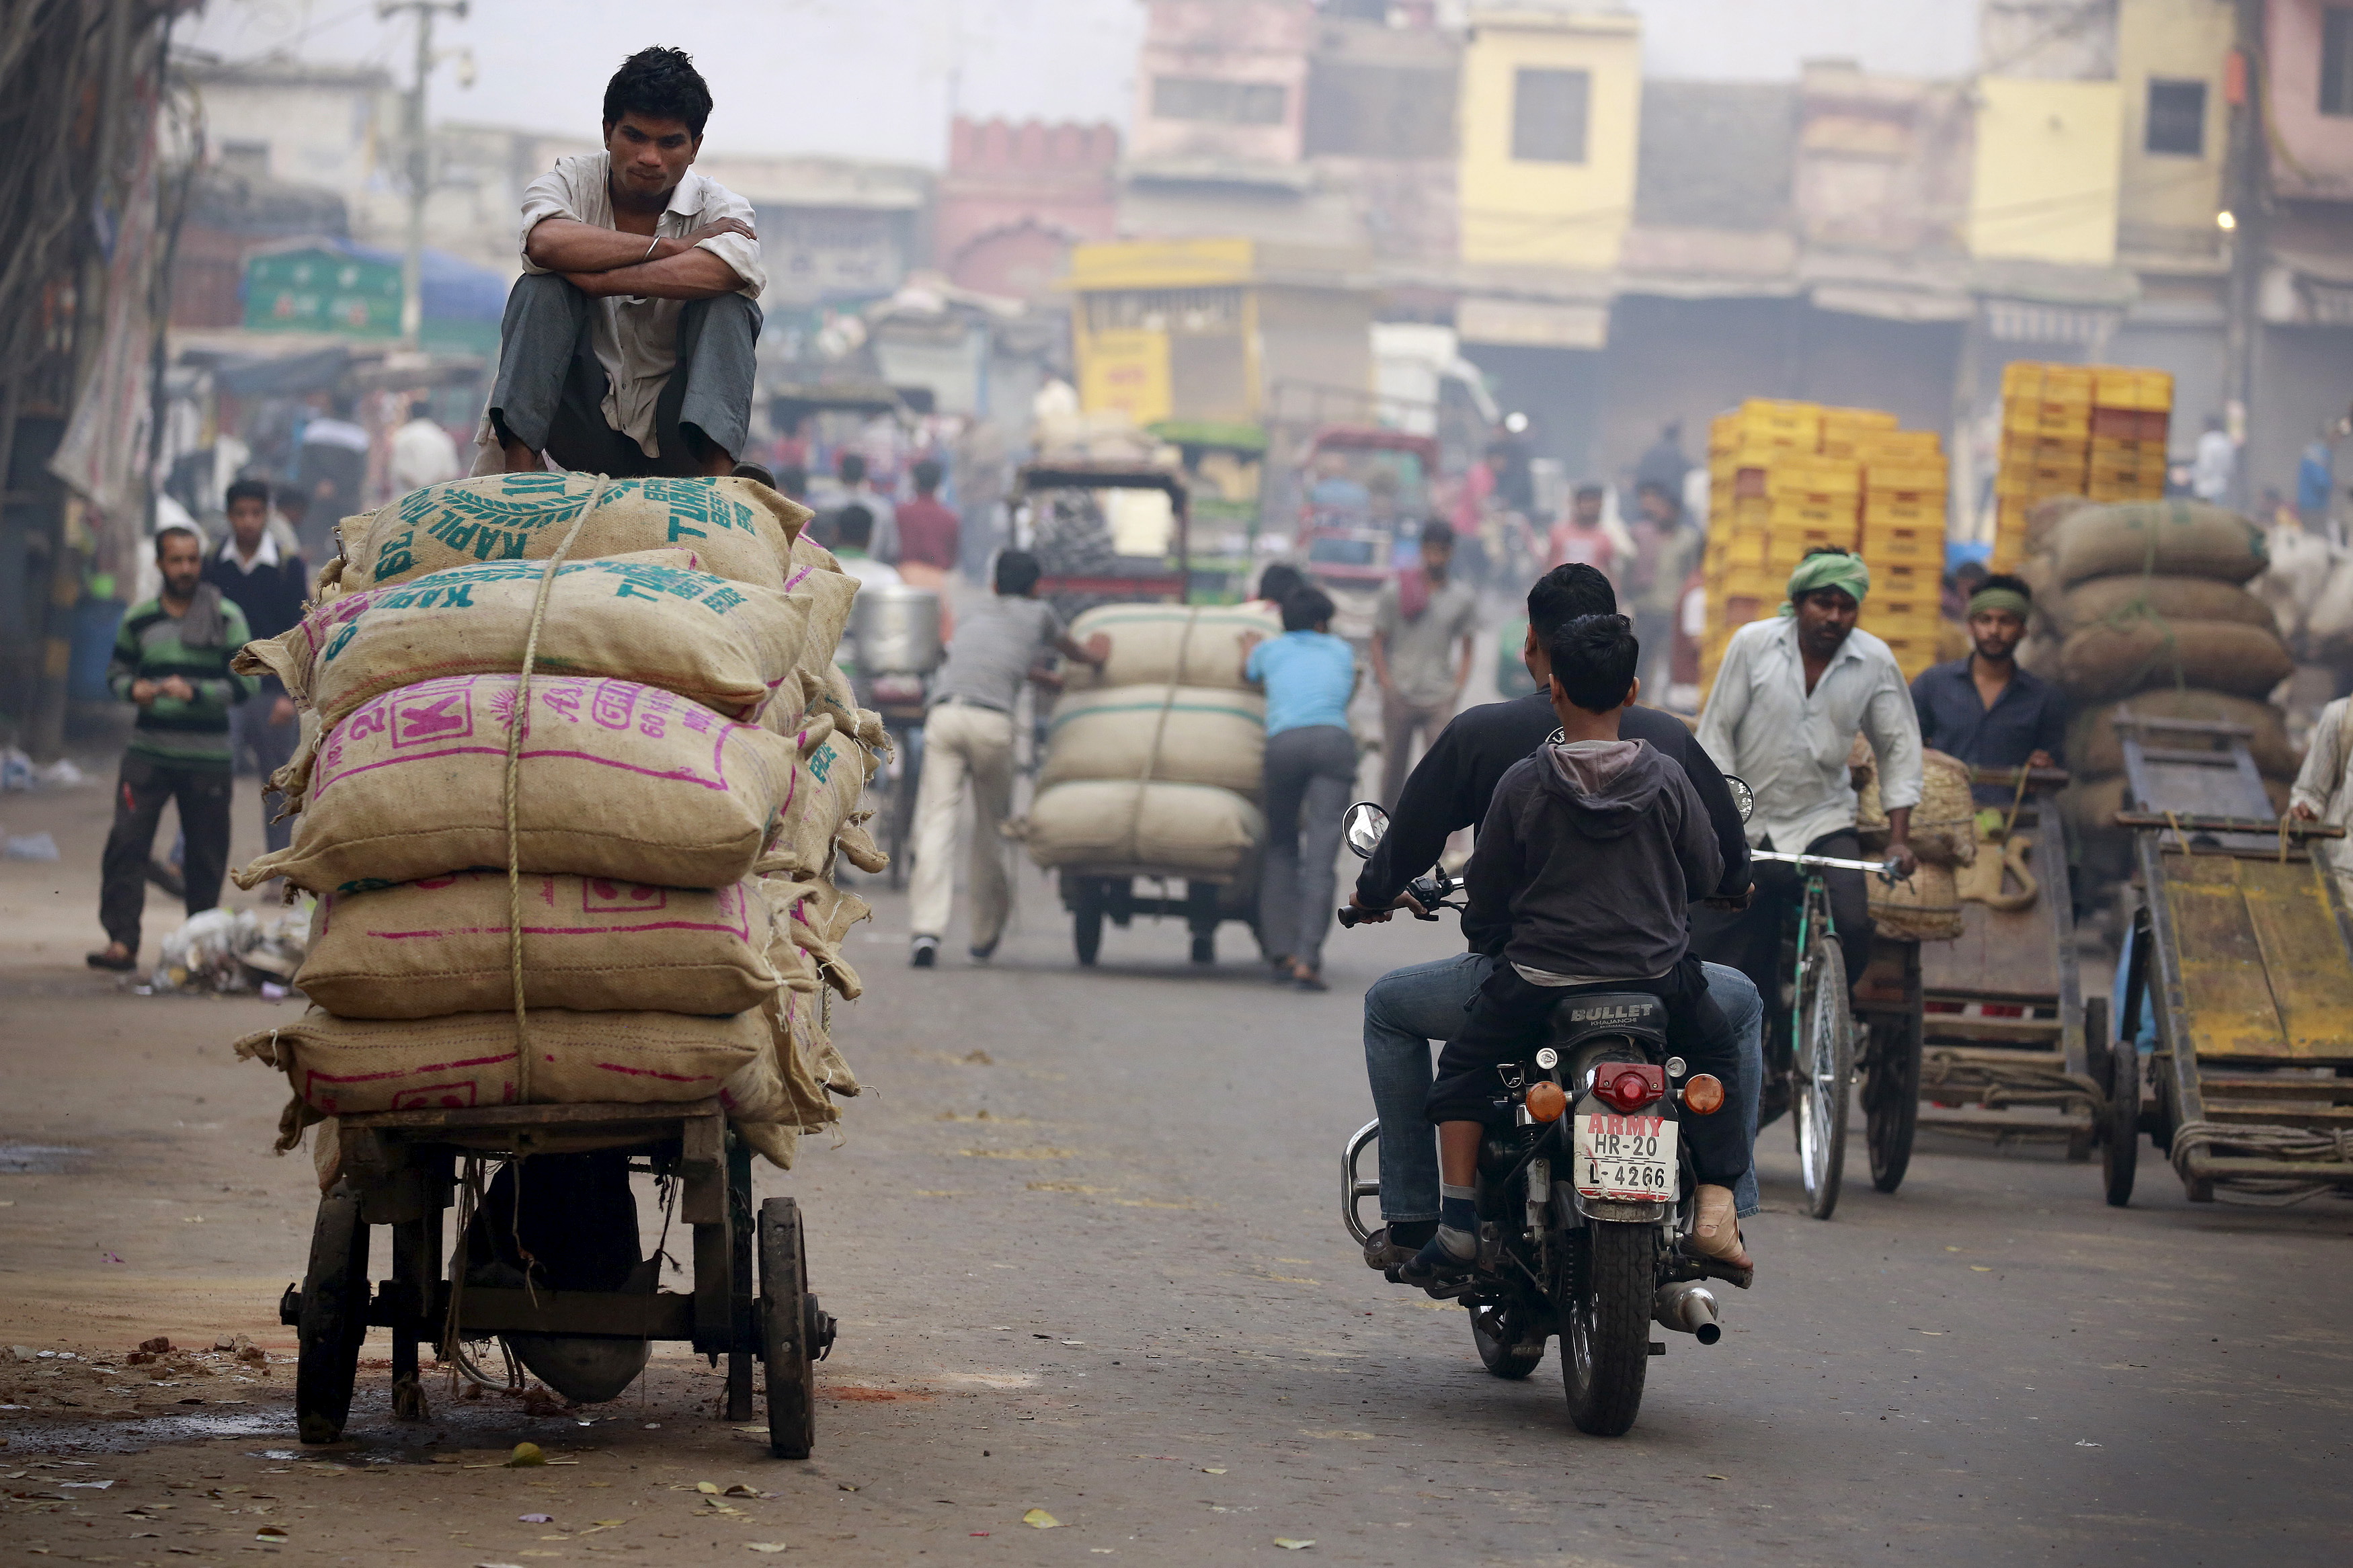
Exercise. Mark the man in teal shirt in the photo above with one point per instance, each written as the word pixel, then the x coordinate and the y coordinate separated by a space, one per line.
pixel 171 659
pixel 1309 676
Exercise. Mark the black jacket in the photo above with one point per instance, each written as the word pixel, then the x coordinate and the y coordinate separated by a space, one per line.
pixel 271 596
pixel 1454 782
pixel 1592 859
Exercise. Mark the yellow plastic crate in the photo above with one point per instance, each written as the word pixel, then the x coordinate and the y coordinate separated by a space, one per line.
pixel 1905 579
pixel 1895 545
pixel 1756 582
pixel 1738 548
pixel 1804 475
pixel 2065 421
pixel 2110 451
pixel 2022 449
pixel 1791 539
pixel 1914 478
pixel 1899 447
pixel 2146 487
pixel 2120 387
pixel 2030 381
pixel 1833 518
pixel 2039 480
pixel 1912 654
pixel 1900 511
pixel 1885 615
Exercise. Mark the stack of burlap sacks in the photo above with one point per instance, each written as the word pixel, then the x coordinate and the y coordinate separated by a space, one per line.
pixel 2145 605
pixel 689 769
pixel 1926 905
pixel 1153 763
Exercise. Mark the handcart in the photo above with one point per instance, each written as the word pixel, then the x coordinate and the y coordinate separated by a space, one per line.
pixel 400 1168
pixel 2240 952
pixel 2005 1024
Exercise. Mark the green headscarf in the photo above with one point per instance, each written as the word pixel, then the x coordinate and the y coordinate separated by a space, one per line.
pixel 2009 599
pixel 1840 571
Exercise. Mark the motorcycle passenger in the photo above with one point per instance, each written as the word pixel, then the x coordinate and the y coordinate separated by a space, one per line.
pixel 1792 694
pixel 1593 851
pixel 1450 789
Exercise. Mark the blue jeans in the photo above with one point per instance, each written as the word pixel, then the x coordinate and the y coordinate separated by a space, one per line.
pixel 1408 1008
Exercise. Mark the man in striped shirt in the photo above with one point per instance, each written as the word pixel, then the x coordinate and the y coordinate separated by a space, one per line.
pixel 171 659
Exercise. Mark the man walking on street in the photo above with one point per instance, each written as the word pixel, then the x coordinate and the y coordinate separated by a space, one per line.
pixel 171 659
pixel 422 454
pixel 269 586
pixel 928 531
pixel 968 736
pixel 1422 615
pixel 1666 549
pixel 627 346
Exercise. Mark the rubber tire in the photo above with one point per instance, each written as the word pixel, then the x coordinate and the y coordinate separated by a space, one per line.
pixel 784 1345
pixel 333 1322
pixel 1501 1357
pixel 2120 1150
pixel 1821 1188
pixel 1605 1342
pixel 1087 920
pixel 1891 1102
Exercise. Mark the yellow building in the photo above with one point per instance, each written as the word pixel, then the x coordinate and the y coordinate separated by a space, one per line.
pixel 1203 329
pixel 2045 184
pixel 2170 67
pixel 1551 106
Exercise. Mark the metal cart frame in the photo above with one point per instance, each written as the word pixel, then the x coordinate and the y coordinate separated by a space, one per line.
pixel 399 1169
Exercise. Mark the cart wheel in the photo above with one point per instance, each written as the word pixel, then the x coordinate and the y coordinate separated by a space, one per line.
pixel 334 1318
pixel 784 1339
pixel 1087 919
pixel 2121 1153
pixel 1891 1101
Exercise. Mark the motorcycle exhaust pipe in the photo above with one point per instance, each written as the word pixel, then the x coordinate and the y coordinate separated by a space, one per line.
pixel 1688 1306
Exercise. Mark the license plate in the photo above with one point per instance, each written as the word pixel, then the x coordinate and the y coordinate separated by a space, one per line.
pixel 1625 1156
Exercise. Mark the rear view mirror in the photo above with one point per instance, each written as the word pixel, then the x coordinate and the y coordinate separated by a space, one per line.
pixel 1364 826
pixel 1744 799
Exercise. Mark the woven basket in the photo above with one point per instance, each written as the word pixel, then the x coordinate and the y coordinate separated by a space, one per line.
pixel 1924 907
pixel 1943 825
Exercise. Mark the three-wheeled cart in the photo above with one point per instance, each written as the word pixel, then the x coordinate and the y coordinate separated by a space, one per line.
pixel 402 1168
pixel 2241 950
pixel 2004 1021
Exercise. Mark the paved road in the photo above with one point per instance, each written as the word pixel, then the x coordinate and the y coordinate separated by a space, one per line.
pixel 1082 1239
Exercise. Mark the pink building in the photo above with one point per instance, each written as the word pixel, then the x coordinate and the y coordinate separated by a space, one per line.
pixel 1017 197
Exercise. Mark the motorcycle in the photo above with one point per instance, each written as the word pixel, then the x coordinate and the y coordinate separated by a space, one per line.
pixel 1584 1188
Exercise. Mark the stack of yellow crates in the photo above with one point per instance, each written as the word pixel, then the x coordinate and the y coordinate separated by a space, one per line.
pixel 1784 477
pixel 2130 412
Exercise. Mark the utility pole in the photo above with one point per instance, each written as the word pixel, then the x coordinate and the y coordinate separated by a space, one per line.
pixel 420 159
pixel 2245 223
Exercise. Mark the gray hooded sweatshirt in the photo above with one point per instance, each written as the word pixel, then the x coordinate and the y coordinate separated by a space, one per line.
pixel 1593 853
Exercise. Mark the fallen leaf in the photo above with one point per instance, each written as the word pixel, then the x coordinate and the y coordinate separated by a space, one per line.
pixel 1207 1470
pixel 1716 1477
pixel 525 1454
pixel 1288 1544
pixel 1979 1269
pixel 1039 1518
pixel 769 1545
pixel 740 1490
pixel 270 1532
pixel 707 1488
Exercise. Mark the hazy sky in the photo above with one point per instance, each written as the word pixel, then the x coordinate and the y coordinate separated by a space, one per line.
pixel 880 78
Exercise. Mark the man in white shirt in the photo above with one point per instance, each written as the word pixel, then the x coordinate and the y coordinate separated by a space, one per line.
pixel 422 452
pixel 627 346
pixel 2216 462
pixel 1789 700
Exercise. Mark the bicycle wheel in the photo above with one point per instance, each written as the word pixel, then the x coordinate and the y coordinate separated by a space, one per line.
pixel 1891 1101
pixel 1825 1067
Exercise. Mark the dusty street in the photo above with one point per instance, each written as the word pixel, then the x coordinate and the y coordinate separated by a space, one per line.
pixel 1083 1242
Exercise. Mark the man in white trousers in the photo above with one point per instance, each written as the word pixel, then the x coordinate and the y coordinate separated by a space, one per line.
pixel 968 738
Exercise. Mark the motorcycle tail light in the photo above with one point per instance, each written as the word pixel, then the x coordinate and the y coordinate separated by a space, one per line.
pixel 1703 1095
pixel 1627 1087
pixel 1546 1101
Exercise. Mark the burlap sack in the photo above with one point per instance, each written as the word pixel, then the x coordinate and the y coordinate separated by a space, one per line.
pixel 2043 518
pixel 743 529
pixel 339 1065
pixel 645 617
pixel 1924 907
pixel 817 580
pixel 417 949
pixel 1943 826
pixel 2094 750
pixel 2102 662
pixel 618 780
pixel 2172 538
pixel 1163 644
pixel 811 1072
pixel 814 917
pixel 1170 734
pixel 2117 600
pixel 833 771
pixel 1168 829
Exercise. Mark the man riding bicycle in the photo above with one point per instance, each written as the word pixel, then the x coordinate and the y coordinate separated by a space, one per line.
pixel 1451 788
pixel 1793 692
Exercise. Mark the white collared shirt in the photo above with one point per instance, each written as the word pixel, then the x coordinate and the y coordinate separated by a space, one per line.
pixel 265 556
pixel 1791 746
pixel 636 339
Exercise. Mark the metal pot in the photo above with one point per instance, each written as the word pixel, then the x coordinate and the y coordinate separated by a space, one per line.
pixel 896 629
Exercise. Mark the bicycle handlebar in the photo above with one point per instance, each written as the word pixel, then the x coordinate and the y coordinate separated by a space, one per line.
pixel 1835 863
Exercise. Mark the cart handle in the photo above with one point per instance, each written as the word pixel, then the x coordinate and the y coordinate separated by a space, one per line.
pixel 2036 778
pixel 1884 868
pixel 2190 823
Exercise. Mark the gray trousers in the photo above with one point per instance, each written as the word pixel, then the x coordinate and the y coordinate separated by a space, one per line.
pixel 1310 773
pixel 550 392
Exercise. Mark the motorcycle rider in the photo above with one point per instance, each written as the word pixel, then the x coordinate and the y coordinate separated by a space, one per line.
pixel 1792 694
pixel 1593 850
pixel 1450 789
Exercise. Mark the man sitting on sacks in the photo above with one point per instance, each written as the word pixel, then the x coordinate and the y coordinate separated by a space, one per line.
pixel 627 346
pixel 1790 696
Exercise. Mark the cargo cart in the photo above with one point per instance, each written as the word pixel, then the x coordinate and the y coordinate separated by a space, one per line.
pixel 405 1168
pixel 2005 1024
pixel 2242 954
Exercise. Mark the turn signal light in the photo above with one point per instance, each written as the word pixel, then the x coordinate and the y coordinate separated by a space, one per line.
pixel 1627 1087
pixel 1703 1095
pixel 1546 1101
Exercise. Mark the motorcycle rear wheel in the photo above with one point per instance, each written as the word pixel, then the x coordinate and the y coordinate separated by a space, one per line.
pixel 1499 1353
pixel 1605 1342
